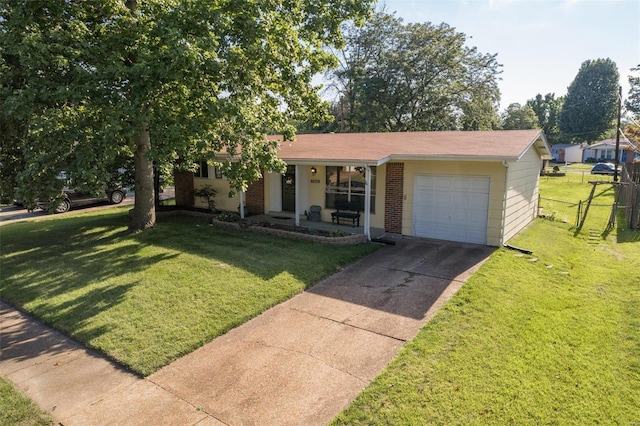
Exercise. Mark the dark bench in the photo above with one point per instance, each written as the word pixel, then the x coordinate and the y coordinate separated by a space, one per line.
pixel 346 210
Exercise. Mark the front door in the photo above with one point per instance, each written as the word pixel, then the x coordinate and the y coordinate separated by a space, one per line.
pixel 289 190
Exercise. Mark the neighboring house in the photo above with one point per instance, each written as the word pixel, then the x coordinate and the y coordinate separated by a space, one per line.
pixel 477 187
pixel 567 152
pixel 606 151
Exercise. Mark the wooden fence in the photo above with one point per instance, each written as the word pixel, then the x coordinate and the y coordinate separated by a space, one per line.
pixel 629 195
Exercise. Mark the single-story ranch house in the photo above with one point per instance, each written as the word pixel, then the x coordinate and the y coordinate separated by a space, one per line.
pixel 605 150
pixel 568 152
pixel 477 187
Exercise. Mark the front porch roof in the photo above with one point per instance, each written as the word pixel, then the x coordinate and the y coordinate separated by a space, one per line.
pixel 379 148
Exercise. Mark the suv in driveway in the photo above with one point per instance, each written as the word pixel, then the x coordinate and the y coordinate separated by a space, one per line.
pixel 604 169
pixel 74 198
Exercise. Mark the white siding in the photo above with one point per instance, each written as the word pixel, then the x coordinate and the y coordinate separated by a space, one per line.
pixel 521 203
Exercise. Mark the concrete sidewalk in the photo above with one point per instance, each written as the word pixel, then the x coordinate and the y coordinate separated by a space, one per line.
pixel 299 363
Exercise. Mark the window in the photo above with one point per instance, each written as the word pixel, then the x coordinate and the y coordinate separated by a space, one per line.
pixel 203 170
pixel 348 183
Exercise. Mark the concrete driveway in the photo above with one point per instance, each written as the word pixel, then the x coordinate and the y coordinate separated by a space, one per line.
pixel 299 363
pixel 303 361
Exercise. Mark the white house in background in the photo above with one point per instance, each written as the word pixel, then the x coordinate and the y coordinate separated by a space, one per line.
pixel 605 150
pixel 476 187
pixel 567 152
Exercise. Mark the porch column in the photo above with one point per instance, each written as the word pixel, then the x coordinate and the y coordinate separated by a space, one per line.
pixel 241 204
pixel 296 183
pixel 367 202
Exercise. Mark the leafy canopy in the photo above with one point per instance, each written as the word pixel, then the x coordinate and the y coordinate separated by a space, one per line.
pixel 397 77
pixel 632 105
pixel 547 109
pixel 518 117
pixel 590 106
pixel 88 81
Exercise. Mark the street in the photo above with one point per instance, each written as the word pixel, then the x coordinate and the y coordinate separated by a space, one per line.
pixel 12 214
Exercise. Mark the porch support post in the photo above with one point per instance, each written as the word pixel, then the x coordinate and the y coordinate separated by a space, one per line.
pixel 241 204
pixel 297 189
pixel 367 202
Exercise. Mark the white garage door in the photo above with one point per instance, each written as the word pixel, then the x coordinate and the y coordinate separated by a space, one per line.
pixel 452 208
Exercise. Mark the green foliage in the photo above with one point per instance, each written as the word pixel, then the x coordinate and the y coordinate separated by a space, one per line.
pixel 208 193
pixel 397 77
pixel 548 109
pixel 633 101
pixel 632 105
pixel 86 80
pixel 590 107
pixel 229 217
pixel 518 117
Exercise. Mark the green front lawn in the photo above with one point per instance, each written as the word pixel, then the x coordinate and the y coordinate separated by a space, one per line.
pixel 148 298
pixel 16 409
pixel 550 338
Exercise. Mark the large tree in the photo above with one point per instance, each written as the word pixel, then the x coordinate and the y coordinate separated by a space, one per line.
pixel 397 77
pixel 517 117
pixel 162 81
pixel 547 109
pixel 590 106
pixel 632 105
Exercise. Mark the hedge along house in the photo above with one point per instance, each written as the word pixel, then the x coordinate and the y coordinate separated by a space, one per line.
pixel 477 187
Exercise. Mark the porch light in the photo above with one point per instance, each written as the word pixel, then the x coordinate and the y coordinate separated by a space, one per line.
pixel 314 170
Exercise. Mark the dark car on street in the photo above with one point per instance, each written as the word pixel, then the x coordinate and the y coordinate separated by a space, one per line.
pixel 604 169
pixel 74 198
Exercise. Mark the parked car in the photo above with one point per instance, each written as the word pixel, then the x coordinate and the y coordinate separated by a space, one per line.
pixel 604 169
pixel 74 198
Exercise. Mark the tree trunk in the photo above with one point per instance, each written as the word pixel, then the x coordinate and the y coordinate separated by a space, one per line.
pixel 144 213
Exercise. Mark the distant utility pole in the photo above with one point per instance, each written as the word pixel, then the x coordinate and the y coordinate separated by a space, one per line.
pixel 617 161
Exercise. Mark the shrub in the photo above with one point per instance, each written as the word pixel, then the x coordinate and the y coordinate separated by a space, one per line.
pixel 229 217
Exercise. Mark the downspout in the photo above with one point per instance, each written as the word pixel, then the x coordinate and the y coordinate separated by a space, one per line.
pixel 504 201
pixel 241 204
pixel 367 202
pixel 297 190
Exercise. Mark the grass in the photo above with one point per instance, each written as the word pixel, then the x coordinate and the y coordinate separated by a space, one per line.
pixel 18 410
pixel 553 340
pixel 148 298
pixel 560 195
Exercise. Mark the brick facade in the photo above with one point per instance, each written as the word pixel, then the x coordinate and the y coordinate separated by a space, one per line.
pixel 254 197
pixel 394 198
pixel 184 188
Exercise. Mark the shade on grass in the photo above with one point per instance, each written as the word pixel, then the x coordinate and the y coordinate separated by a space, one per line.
pixel 146 299
pixel 551 338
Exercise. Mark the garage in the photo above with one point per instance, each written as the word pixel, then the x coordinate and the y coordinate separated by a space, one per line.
pixel 451 207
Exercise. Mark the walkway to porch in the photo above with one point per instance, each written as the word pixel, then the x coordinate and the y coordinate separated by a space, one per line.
pixel 288 219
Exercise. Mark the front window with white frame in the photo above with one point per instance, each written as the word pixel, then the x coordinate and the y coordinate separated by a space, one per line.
pixel 348 183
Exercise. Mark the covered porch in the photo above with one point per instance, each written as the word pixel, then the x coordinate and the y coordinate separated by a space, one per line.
pixel 309 193
pixel 287 219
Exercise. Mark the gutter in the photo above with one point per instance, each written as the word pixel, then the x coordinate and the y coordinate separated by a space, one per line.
pixel 504 201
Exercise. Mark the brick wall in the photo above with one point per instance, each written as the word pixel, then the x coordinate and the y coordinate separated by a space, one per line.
pixel 254 197
pixel 184 188
pixel 393 198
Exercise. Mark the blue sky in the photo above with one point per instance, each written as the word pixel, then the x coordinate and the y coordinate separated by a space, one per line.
pixel 541 44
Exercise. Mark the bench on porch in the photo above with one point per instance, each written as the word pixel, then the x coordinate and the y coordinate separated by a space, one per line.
pixel 346 210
